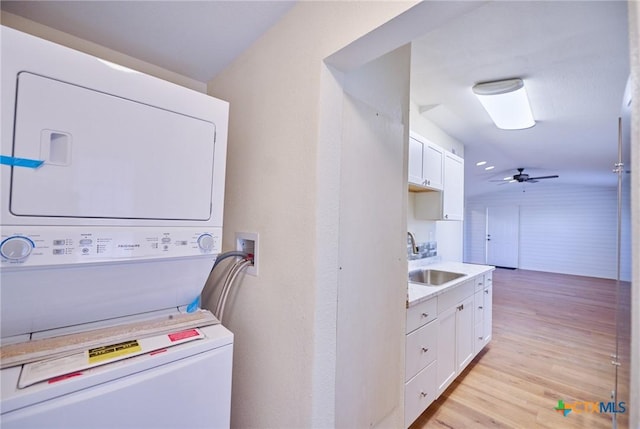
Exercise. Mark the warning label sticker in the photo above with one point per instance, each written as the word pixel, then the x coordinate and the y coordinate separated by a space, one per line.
pixel 100 354
pixel 55 367
pixel 178 336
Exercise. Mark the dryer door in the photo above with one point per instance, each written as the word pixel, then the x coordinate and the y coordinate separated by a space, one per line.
pixel 107 156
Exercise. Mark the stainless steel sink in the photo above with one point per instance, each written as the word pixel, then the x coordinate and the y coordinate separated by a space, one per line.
pixel 432 277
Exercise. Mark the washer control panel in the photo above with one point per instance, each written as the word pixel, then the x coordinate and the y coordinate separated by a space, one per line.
pixel 37 246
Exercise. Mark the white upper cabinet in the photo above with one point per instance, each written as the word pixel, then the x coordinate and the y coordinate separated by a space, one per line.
pixel 453 198
pixel 448 204
pixel 425 164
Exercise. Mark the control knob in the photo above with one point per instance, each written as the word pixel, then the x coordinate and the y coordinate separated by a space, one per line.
pixel 206 242
pixel 16 248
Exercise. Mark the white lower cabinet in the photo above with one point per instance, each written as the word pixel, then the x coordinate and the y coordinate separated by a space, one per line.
pixel 444 334
pixel 455 333
pixel 419 393
pixel 464 334
pixel 446 348
pixel 420 349
pixel 483 320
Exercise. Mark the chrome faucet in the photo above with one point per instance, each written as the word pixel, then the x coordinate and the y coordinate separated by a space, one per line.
pixel 412 240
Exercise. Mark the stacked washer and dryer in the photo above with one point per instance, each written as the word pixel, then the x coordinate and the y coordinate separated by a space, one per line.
pixel 112 190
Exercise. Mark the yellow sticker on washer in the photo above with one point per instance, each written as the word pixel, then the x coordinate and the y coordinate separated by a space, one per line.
pixel 103 353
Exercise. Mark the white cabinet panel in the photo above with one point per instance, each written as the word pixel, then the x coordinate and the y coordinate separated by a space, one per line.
pixel 448 204
pixel 478 338
pixel 421 314
pixel 415 162
pixel 419 393
pixel 464 334
pixel 432 167
pixel 478 305
pixel 420 349
pixel 426 163
pixel 453 195
pixel 446 360
pixel 488 314
pixel 117 159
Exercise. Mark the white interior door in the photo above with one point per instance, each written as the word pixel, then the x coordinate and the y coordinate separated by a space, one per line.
pixel 503 224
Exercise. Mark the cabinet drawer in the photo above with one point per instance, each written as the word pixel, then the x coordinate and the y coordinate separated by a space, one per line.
pixel 421 314
pixel 488 279
pixel 479 283
pixel 455 296
pixel 478 304
pixel 421 348
pixel 478 338
pixel 419 393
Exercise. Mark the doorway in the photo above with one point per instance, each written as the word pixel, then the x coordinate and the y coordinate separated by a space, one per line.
pixel 502 246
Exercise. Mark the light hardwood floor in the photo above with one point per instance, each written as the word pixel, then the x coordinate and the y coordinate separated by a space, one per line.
pixel 553 336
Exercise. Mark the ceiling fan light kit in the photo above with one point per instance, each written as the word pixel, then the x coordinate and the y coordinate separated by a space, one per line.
pixel 506 102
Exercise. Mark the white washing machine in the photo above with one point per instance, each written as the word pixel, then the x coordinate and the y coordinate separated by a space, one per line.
pixel 112 190
pixel 184 386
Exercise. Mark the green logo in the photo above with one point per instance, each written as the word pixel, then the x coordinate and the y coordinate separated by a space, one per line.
pixel 561 408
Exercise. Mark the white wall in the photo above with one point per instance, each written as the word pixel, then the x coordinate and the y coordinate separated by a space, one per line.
pixel 563 228
pixel 448 234
pixel 372 267
pixel 282 184
pixel 432 132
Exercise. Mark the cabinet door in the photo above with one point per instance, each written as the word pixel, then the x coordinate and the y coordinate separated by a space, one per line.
pixel 415 161
pixel 487 314
pixel 464 333
pixel 446 350
pixel 453 198
pixel 432 166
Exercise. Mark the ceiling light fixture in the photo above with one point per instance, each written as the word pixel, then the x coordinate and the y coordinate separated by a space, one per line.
pixel 491 167
pixel 506 103
pixel 479 163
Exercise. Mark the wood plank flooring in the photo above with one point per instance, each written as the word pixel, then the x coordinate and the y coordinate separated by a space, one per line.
pixel 553 336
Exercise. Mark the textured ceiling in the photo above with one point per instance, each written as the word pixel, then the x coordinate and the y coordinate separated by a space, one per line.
pixel 573 57
pixel 193 38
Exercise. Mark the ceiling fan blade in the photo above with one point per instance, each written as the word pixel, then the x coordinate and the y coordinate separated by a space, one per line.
pixel 531 181
pixel 543 177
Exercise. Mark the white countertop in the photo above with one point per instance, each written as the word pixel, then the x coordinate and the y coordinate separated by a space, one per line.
pixel 417 293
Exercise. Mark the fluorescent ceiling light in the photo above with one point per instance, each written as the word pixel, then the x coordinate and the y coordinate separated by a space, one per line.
pixel 506 103
pixel 491 167
pixel 481 163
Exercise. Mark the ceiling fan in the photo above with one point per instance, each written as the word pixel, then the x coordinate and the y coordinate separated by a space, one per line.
pixel 523 177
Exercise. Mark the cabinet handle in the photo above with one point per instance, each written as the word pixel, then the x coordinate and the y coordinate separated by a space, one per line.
pixel 460 307
pixel 479 338
pixel 446 216
pixel 425 349
pixel 479 307
pixel 486 291
pixel 479 283
pixel 424 395
pixel 425 314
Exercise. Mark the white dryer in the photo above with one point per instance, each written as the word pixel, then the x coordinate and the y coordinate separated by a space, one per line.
pixel 112 191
